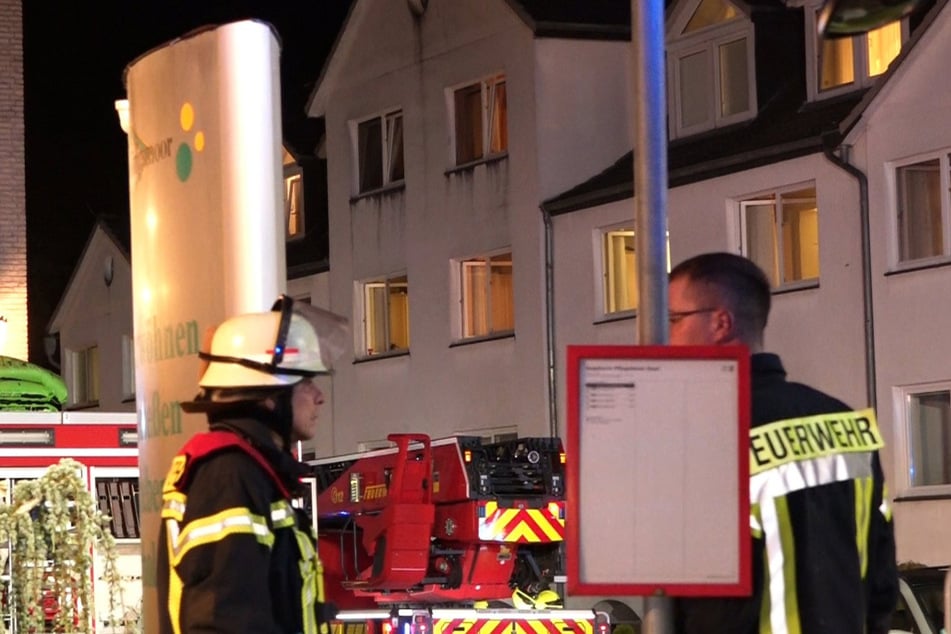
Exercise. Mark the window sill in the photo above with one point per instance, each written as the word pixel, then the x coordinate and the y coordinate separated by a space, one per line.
pixel 379 191
pixel 796 286
pixel 919 265
pixel 382 355
pixel 622 315
pixel 492 158
pixel 925 494
pixel 508 334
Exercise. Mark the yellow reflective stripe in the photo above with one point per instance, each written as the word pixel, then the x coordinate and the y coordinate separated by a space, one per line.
pixel 780 585
pixel 282 515
pixel 206 530
pixel 173 506
pixel 811 437
pixel 311 572
pixel 863 509
pixel 791 600
pixel 174 591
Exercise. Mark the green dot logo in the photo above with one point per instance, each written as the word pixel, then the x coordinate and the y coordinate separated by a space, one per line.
pixel 184 160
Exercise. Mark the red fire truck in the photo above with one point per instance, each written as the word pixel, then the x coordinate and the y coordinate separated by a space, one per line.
pixel 424 536
pixel 105 444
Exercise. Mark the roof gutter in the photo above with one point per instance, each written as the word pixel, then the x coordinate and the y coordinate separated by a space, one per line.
pixel 830 141
pixel 550 325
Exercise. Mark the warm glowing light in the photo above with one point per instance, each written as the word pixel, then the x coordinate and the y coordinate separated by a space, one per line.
pixel 199 141
pixel 146 295
pixel 151 220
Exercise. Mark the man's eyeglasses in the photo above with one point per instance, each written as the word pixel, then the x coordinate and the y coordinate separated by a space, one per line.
pixel 676 315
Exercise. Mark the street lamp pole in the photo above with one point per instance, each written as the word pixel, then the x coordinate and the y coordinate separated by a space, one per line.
pixel 650 216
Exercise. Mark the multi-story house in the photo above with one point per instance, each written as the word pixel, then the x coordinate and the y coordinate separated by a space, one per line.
pixel 478 156
pixel 826 162
pixel 442 138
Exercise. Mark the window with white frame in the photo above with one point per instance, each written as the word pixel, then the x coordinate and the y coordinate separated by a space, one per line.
pixel 486 296
pixel 128 368
pixel 923 230
pixel 780 232
pixel 926 412
pixel 379 151
pixel 619 269
pixel 294 202
pixel 710 67
pixel 480 120
pixel 83 375
pixel 847 63
pixel 385 315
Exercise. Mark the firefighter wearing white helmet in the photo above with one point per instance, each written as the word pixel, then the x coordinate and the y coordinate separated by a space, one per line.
pixel 235 554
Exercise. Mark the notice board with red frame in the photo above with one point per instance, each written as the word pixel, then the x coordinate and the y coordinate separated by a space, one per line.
pixel 658 470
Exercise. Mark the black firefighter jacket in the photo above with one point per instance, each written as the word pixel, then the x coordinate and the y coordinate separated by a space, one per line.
pixel 823 545
pixel 233 555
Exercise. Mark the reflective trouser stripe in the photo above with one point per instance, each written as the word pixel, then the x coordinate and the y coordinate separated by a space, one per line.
pixel 863 511
pixel 780 605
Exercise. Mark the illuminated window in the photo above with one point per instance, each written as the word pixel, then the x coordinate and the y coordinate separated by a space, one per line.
pixel 386 315
pixel 619 270
pixel 294 205
pixel 82 372
pixel 851 62
pixel 487 299
pixel 780 232
pixel 922 208
pixel 926 411
pixel 480 116
pixel 379 151
pixel 710 67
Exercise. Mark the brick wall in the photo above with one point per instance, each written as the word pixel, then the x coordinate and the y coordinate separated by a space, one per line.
pixel 12 183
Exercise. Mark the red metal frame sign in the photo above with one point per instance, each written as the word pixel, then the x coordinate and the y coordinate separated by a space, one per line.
pixel 658 470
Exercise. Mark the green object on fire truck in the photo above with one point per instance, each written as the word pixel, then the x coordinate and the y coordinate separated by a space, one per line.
pixel 25 387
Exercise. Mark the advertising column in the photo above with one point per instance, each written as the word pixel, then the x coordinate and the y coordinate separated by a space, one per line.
pixel 205 188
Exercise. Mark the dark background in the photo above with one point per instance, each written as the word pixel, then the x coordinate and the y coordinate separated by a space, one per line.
pixel 74 57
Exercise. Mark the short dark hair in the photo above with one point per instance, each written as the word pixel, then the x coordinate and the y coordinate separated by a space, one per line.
pixel 737 282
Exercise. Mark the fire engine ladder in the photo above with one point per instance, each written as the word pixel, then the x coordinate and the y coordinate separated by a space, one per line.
pixel 399 536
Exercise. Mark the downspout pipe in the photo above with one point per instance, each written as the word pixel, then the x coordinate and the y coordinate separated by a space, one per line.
pixel 550 325
pixel 842 162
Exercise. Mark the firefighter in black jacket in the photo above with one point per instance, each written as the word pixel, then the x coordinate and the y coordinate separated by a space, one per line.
pixel 234 555
pixel 823 543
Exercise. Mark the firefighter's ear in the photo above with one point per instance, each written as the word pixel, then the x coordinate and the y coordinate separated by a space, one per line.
pixel 723 325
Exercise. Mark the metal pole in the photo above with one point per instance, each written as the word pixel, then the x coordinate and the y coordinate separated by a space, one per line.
pixel 650 219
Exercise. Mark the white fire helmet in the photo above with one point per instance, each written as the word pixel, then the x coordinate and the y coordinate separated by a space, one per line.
pixel 280 347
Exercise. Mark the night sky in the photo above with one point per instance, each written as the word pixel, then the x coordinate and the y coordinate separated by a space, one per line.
pixel 74 57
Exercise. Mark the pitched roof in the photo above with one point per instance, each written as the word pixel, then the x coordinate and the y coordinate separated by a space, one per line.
pixel 786 126
pixel 591 19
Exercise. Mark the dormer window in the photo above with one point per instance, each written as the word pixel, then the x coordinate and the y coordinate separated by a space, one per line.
pixel 710 67
pixel 850 63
